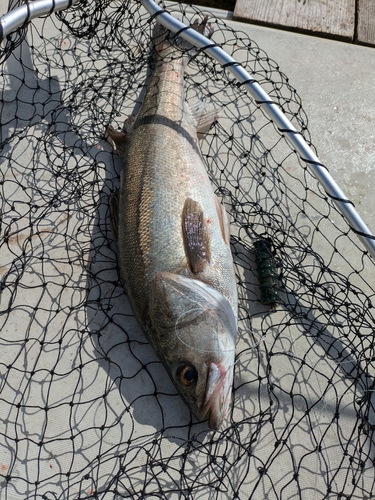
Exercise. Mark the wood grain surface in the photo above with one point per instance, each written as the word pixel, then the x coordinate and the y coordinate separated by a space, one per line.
pixel 327 17
pixel 366 22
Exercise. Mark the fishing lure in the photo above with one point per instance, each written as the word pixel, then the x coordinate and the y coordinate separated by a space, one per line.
pixel 267 273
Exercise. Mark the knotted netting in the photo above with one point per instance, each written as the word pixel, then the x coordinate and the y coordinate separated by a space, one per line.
pixel 87 410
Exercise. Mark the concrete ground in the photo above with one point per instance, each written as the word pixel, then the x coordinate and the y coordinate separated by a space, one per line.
pixel 335 81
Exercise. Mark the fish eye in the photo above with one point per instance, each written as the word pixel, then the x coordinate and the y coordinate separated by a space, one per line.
pixel 187 374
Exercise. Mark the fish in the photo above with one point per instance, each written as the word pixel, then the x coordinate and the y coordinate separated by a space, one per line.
pixel 173 238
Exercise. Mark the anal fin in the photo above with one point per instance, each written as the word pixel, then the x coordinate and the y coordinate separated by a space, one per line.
pixel 223 220
pixel 196 236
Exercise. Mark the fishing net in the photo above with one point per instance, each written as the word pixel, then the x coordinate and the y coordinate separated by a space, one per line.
pixel 86 407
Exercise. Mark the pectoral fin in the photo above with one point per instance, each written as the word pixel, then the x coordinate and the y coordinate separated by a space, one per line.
pixel 196 236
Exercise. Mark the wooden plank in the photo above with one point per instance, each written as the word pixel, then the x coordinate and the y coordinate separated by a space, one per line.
pixel 366 22
pixel 334 18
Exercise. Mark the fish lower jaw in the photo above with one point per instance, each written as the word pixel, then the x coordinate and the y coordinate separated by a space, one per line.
pixel 218 397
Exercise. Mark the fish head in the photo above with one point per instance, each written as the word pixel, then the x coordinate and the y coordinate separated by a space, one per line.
pixel 195 331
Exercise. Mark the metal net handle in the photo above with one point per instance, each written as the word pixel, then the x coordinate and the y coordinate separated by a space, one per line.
pixel 16 18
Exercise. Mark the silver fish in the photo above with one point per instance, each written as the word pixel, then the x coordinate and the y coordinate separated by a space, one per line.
pixel 173 239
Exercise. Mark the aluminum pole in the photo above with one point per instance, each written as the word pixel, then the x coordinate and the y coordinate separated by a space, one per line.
pixel 18 17
pixel 320 172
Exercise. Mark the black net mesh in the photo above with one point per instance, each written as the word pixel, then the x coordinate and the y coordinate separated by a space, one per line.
pixel 86 407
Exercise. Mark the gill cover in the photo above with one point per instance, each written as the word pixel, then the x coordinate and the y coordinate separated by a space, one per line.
pixel 178 300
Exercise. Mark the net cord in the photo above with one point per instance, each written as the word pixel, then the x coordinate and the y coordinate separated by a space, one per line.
pixel 16 18
pixel 21 15
pixel 86 409
pixel 320 172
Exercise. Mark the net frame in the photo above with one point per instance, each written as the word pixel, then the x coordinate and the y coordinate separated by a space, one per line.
pixel 287 441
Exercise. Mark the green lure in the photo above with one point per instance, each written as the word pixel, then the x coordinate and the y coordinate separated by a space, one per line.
pixel 267 274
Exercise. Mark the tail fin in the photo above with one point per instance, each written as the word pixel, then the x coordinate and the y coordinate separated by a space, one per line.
pixel 164 40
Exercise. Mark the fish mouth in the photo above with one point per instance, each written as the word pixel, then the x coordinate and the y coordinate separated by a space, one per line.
pixel 218 394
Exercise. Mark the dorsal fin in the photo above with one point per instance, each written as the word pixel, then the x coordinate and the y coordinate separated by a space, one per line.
pixel 116 138
pixel 203 118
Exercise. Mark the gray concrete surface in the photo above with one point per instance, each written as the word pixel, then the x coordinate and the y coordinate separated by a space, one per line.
pixel 335 81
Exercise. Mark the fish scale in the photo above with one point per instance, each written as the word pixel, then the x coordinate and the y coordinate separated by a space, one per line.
pixel 158 155
pixel 163 170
